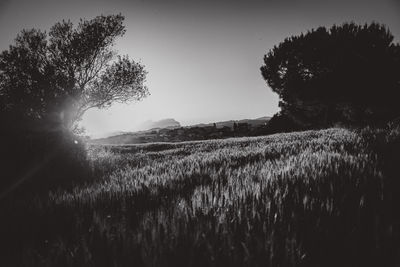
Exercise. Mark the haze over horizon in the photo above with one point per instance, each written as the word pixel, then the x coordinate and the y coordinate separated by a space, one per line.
pixel 202 57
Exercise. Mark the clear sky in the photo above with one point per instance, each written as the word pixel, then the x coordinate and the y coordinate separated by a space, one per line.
pixel 203 57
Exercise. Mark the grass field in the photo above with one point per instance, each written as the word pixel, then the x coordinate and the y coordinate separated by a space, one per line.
pixel 314 198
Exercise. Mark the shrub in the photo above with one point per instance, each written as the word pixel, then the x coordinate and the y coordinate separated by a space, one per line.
pixel 38 161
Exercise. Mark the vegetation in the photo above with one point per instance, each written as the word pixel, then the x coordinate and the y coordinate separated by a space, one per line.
pixel 47 82
pixel 314 198
pixel 346 75
pixel 189 133
pixel 53 79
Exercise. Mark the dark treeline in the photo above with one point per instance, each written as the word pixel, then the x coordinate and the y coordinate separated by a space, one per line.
pixel 347 75
pixel 190 133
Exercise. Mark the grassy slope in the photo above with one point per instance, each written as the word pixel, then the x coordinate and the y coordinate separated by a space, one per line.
pixel 300 199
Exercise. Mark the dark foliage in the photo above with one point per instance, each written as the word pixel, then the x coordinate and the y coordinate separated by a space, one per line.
pixel 280 123
pixel 386 144
pixel 347 74
pixel 35 162
pixel 52 79
pixel 47 82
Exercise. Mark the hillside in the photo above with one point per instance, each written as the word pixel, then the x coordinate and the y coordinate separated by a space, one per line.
pixel 314 198
pixel 171 133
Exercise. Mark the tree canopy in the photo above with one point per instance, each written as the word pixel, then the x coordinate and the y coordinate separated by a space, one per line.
pixel 53 78
pixel 345 74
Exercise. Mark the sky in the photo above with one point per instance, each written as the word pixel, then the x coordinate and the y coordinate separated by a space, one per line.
pixel 203 57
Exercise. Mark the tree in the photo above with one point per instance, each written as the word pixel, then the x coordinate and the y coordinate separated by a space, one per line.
pixel 47 82
pixel 346 74
pixel 50 80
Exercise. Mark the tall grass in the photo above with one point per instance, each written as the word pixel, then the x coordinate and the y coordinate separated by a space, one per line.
pixel 315 198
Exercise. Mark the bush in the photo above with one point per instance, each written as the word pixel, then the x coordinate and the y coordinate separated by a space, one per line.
pixel 39 161
pixel 281 123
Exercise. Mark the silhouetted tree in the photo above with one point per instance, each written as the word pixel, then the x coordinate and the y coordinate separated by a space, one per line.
pixel 235 126
pixel 47 82
pixel 281 122
pixel 345 74
pixel 51 79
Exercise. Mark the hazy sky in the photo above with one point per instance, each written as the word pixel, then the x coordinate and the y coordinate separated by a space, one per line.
pixel 203 57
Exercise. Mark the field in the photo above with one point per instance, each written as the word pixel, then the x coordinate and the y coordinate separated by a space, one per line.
pixel 314 198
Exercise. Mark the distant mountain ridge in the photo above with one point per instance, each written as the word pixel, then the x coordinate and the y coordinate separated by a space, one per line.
pixel 171 130
pixel 230 123
pixel 145 126
pixel 161 124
